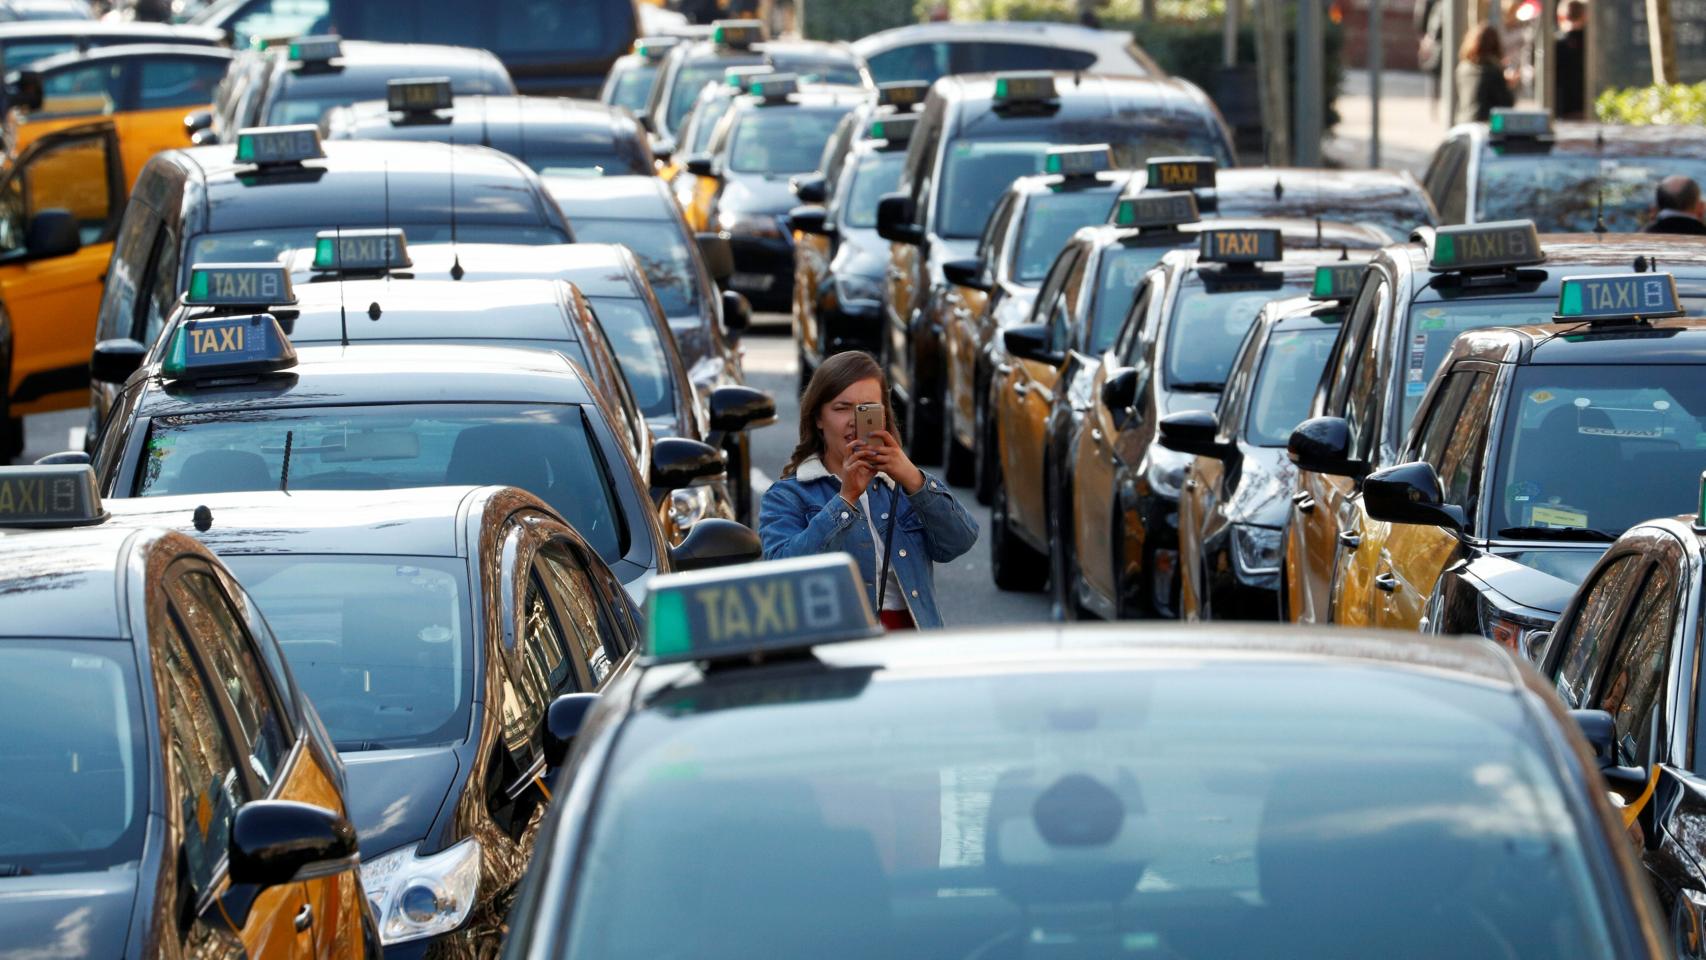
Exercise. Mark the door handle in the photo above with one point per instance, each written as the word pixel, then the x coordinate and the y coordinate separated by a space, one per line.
pixel 1386 581
pixel 1020 388
pixel 1190 484
pixel 1350 539
pixel 1304 502
pixel 304 918
pixel 1096 436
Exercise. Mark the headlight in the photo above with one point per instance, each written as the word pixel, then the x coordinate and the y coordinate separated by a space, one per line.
pixel 749 224
pixel 1521 635
pixel 852 288
pixel 1166 472
pixel 415 896
pixel 1256 550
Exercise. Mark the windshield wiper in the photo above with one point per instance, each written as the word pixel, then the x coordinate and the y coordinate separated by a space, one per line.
pixel 356 746
pixel 14 870
pixel 1556 533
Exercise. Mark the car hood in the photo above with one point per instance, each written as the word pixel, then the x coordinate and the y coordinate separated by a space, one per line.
pixel 395 795
pixel 66 915
pixel 861 253
pixel 756 193
pixel 1541 578
pixel 1267 478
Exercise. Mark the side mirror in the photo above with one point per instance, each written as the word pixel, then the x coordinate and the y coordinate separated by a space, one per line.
pixel 563 721
pixel 811 188
pixel 26 92
pixel 715 542
pixel 810 219
pixel 204 138
pixel 895 215
pixel 735 408
pixel 719 256
pixel 1600 730
pixel 1030 342
pixel 967 273
pixel 678 462
pixel 52 233
pixel 701 165
pixel 1119 393
pixel 275 842
pixel 197 120
pixel 1323 445
pixel 1195 432
pixel 115 360
pixel 1409 493
pixel 737 312
pixel 65 458
pixel 662 147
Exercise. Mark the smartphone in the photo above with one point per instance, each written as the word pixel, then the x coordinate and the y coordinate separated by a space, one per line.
pixel 868 418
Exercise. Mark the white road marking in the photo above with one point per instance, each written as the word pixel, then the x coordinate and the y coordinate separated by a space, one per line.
pixel 74 438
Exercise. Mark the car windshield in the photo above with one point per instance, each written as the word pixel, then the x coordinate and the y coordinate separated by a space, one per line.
pixel 662 251
pixel 1435 324
pixel 876 174
pixel 1210 321
pixel 781 140
pixel 1290 370
pixel 21 53
pixel 634 86
pixel 692 77
pixel 705 119
pixel 546 450
pixel 1050 220
pixel 930 61
pixel 1108 811
pixel 74 774
pixel 1626 420
pixel 639 351
pixel 1562 193
pixel 382 645
pixel 1121 271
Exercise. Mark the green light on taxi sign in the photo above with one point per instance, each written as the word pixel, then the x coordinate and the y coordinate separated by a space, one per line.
pixel 1619 298
pixel 239 285
pixel 1147 210
pixel 754 610
pixel 896 131
pixel 271 146
pixel 1486 246
pixel 57 495
pixel 1029 87
pixel 738 77
pixel 1505 123
pixel 361 250
pixel 1338 281
pixel 1079 161
pixel 206 347
pixel 737 34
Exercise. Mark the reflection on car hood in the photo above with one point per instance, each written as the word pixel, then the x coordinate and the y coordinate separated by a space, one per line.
pixel 395 795
pixel 1267 478
pixel 1544 579
pixel 66 915
pixel 754 193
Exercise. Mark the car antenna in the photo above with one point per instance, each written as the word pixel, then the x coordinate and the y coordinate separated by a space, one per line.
pixel 1344 252
pixel 338 262
pixel 1599 211
pixel 1279 189
pixel 1317 231
pixel 456 271
pixel 284 474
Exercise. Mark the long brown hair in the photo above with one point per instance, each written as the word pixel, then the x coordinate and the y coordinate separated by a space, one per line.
pixel 833 375
pixel 1482 45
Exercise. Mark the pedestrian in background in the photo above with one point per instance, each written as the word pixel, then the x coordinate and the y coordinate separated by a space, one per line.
pixel 1429 18
pixel 1571 59
pixel 1679 207
pixel 839 492
pixel 1481 83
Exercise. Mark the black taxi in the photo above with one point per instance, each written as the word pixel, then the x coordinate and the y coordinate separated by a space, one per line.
pixel 273 192
pixel 1236 495
pixel 436 630
pixel 1534 447
pixel 1390 201
pixel 169 790
pixel 1416 299
pixel 1627 645
pixel 694 137
pixel 975 134
pixel 775 777
pixel 1568 177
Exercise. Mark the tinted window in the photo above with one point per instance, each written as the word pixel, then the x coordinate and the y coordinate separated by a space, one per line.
pixel 916 61
pixel 1563 193
pixel 205 787
pixel 230 659
pixel 561 32
pixel 779 140
pixel 1285 384
pixel 85 90
pixel 888 815
pixel 381 645
pixel 21 53
pixel 875 175
pixel 1121 271
pixel 634 86
pixel 598 640
pixel 179 81
pixel 544 449
pixel 70 175
pixel 281 18
pixel 1587 644
pixel 813 68
pixel 125 274
pixel 662 251
pixel 989 57
pixel 691 77
pixel 638 344
pixel 1434 325
pixel 1207 326
pixel 1050 220
pixel 705 123
pixel 74 776
pixel 1635 683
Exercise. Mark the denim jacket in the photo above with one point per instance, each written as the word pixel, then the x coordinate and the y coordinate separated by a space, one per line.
pixel 804 515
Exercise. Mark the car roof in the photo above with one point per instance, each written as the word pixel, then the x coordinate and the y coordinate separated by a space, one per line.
pixel 64 582
pixel 366 181
pixel 424 521
pixel 1681 341
pixel 1299 235
pixel 395 373
pixel 596 269
pixel 120 51
pixel 431 309
pixel 620 197
pixel 1038 184
pixel 1579 138
pixel 1045 34
pixel 500 120
pixel 1081 93
pixel 372 57
pixel 365 67
pixel 38 29
pixel 1682 255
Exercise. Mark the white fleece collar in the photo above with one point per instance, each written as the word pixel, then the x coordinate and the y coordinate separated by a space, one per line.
pixel 812 468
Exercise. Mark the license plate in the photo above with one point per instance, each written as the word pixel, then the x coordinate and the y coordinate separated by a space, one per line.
pixel 751 281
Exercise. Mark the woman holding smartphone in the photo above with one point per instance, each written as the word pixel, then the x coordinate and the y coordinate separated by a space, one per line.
pixel 850 487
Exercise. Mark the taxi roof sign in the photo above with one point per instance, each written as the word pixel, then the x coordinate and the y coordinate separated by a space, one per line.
pixel 1505 123
pixel 1072 162
pixel 737 34
pixel 1620 298
pixel 274 146
pixel 239 285
pixel 377 249
pixel 60 495
pixel 1337 281
pixel 748 611
pixel 653 48
pixel 902 94
pixel 1486 246
pixel 1240 245
pixel 419 95
pixel 897 131
pixel 1159 209
pixel 774 87
pixel 1031 86
pixel 321 48
pixel 1179 173
pixel 739 77
pixel 207 347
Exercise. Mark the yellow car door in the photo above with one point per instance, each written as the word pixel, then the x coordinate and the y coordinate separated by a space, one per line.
pixel 1033 387
pixel 59 207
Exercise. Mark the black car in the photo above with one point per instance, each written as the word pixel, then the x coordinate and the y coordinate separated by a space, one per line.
pixel 273 192
pixel 298 82
pixel 767 784
pixel 382 416
pixel 892 99
pixel 1389 201
pixel 1534 447
pixel 1236 496
pixel 435 630
pixel 168 790
pixel 553 135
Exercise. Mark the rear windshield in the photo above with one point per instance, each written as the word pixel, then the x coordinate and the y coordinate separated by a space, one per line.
pixel 1051 220
pixel 1565 193
pixel 663 254
pixel 1104 812
pixel 74 773
pixel 382 645
pixel 1210 321
pixel 782 139
pixel 547 450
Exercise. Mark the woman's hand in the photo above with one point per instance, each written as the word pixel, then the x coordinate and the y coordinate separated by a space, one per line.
pixel 857 472
pixel 885 453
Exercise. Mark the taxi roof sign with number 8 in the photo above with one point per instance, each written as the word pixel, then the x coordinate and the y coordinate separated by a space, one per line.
pixel 754 610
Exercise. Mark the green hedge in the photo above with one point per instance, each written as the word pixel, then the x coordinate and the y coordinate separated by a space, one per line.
pixel 1192 50
pixel 852 19
pixel 1670 103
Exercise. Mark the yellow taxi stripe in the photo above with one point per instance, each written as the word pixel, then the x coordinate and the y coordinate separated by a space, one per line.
pixel 1633 810
pixel 540 781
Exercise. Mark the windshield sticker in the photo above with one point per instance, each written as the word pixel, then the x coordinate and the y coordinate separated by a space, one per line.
pixel 1542 396
pixel 1432 319
pixel 1556 515
pixel 1622 432
pixel 1523 491
pixel 1415 382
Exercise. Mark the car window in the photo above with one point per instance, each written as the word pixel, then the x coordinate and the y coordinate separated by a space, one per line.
pixel 179 81
pixel 586 623
pixel 74 175
pixel 1050 308
pixel 127 272
pixel 1285 384
pixel 1119 273
pixel 204 784
pixel 990 57
pixel 634 86
pixel 546 668
pixel 662 251
pixel 1049 221
pixel 1433 325
pixel 1362 387
pixel 91 89
pixel 1443 174
pixel 280 18
pixel 927 61
pixel 1209 322
pixel 1635 680
pixel 1586 642
pixel 230 658
pixel 875 175
pixel 783 139
pixel 1573 192
pixel 1130 342
pixel 1453 437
